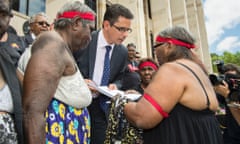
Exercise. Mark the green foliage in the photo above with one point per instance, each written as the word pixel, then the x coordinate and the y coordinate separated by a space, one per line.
pixel 227 57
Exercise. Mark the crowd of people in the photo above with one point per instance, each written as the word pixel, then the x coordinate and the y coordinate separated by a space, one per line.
pixel 46 77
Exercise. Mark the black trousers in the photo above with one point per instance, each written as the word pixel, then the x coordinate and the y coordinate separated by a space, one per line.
pixel 98 122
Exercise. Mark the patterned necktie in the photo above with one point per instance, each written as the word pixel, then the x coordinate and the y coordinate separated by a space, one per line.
pixel 105 81
pixel 106 68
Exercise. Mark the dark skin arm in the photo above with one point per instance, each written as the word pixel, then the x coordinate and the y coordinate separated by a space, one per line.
pixel 142 114
pixel 42 75
pixel 167 91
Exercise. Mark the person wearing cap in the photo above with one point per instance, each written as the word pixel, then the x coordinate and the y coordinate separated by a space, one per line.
pixel 52 80
pixel 179 103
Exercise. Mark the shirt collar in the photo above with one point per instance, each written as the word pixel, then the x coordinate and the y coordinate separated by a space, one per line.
pixel 102 41
pixel 33 36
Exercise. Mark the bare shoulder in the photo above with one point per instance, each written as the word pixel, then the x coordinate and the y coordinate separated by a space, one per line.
pixel 173 74
pixel 49 49
pixel 50 35
pixel 181 66
pixel 170 68
pixel 48 40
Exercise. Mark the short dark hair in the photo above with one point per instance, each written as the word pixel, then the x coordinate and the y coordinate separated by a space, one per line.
pixel 131 45
pixel 114 11
pixel 232 67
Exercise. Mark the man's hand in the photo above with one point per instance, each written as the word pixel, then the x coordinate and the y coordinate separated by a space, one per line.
pixel 112 86
pixel 222 89
pixel 91 85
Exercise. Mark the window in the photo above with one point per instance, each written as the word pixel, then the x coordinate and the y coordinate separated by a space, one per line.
pixel 29 7
pixel 15 5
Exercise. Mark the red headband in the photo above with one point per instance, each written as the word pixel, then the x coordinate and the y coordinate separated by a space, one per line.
pixel 72 14
pixel 175 41
pixel 149 64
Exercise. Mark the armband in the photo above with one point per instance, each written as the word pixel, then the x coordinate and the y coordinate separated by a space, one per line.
pixel 155 105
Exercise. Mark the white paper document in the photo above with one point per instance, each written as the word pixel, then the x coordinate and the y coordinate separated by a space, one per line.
pixel 111 93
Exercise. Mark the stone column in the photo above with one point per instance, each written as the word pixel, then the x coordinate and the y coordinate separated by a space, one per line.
pixel 138 35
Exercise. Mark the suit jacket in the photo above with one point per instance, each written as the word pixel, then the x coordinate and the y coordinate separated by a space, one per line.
pixel 131 78
pixel 15 47
pixel 86 61
pixel 28 39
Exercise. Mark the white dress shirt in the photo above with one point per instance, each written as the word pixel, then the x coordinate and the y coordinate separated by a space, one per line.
pixel 100 55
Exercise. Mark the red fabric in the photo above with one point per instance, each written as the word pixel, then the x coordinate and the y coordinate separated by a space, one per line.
pixel 156 105
pixel 132 68
pixel 148 63
pixel 72 14
pixel 175 41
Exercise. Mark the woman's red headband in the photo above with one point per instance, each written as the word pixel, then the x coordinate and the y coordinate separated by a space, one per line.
pixel 72 14
pixel 175 41
pixel 149 64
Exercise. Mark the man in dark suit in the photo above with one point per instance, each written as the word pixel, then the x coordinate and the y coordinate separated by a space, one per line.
pixel 115 28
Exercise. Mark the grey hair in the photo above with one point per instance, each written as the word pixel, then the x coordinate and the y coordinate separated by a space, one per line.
pixel 74 5
pixel 33 17
pixel 182 34
pixel 179 33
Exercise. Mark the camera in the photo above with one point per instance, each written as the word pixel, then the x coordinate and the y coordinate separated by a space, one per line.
pixel 233 80
pixel 220 66
pixel 216 80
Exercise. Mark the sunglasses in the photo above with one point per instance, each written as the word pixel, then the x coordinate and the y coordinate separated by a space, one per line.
pixel 122 29
pixel 42 23
pixel 157 45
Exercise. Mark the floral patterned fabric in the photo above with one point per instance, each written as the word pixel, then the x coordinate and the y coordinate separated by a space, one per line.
pixel 8 134
pixel 66 124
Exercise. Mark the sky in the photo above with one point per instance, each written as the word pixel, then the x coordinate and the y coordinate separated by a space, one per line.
pixel 222 19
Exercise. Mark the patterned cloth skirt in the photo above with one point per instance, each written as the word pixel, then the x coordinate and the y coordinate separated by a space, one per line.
pixel 8 134
pixel 66 124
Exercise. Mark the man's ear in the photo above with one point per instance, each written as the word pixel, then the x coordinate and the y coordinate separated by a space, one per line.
pixel 170 45
pixel 76 22
pixel 106 24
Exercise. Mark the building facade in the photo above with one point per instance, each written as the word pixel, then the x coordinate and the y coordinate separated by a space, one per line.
pixel 150 17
